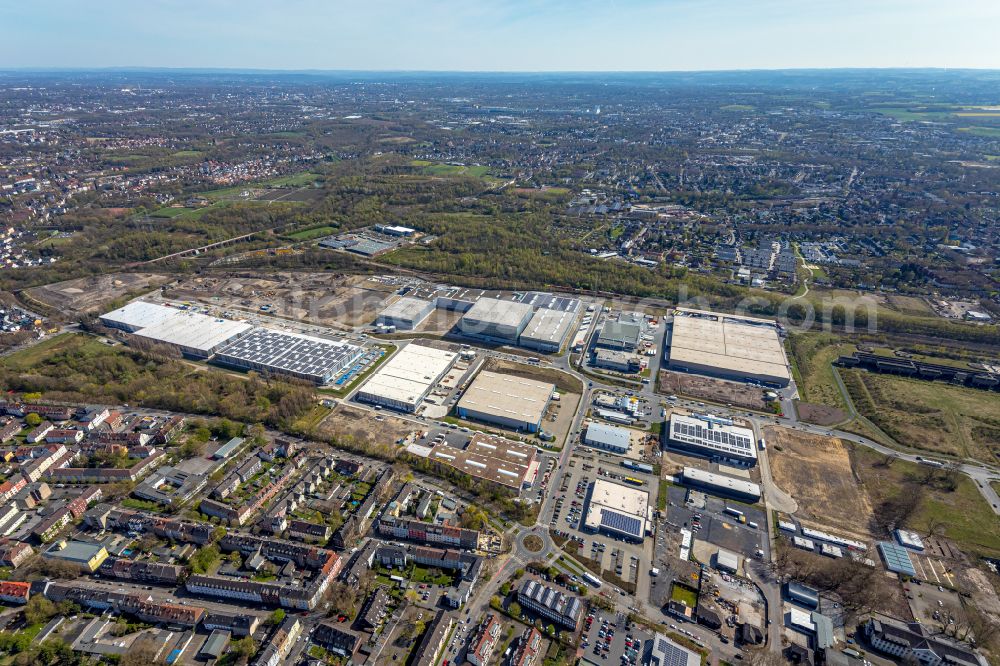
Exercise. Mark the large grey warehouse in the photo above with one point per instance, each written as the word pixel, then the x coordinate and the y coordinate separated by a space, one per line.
pixel 406 313
pixel 194 335
pixel 506 400
pixel 313 359
pixel 407 378
pixel 547 330
pixel 729 347
pixel 496 320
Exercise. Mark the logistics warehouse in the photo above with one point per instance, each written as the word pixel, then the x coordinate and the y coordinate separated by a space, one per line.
pixel 506 400
pixel 235 344
pixel 405 380
pixel 726 346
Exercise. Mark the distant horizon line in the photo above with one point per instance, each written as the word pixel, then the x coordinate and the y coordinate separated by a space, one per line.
pixel 266 70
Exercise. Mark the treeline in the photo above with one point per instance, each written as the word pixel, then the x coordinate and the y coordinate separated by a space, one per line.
pixel 81 372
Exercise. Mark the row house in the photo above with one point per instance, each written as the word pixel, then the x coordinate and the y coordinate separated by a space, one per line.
pixel 12 592
pixel 14 553
pixel 64 436
pixel 414 530
pixel 280 643
pixel 47 530
pixel 127 439
pixel 141 607
pixel 38 433
pixel 551 604
pixel 9 430
pixel 141 571
pixel 336 639
pixel 11 487
pixel 527 649
pixel 307 531
pixel 482 643
pixel 244 624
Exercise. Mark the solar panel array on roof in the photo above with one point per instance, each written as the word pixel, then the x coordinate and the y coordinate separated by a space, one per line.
pixel 303 356
pixel 619 522
pixel 726 440
pixel 540 299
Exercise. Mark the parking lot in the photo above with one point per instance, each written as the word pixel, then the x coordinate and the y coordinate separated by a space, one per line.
pixel 717 527
pixel 627 560
pixel 608 637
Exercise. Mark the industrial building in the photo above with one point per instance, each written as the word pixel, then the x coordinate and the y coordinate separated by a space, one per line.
pixel 728 347
pixel 506 400
pixel 406 379
pixel 302 356
pixel 720 484
pixel 616 360
pixel 620 511
pixel 547 301
pixel 710 437
pixel 802 594
pixel 495 320
pixel 193 334
pixel 136 315
pixel 619 335
pixel 499 463
pixel 405 313
pixel 547 330
pixel 608 438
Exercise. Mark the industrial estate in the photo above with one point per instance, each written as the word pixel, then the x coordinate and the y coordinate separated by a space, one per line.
pixel 435 371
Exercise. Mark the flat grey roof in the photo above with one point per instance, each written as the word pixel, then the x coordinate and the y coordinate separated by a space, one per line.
pixel 408 308
pixel 497 312
pixel 507 396
pixel 752 349
pixel 549 326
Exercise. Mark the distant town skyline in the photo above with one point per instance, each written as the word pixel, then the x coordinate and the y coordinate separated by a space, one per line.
pixel 503 35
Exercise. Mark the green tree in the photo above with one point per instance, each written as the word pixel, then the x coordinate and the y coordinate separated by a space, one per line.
pixel 38 610
pixel 33 420
pixel 277 617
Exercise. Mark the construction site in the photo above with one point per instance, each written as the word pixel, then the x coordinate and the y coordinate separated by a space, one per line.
pixel 327 299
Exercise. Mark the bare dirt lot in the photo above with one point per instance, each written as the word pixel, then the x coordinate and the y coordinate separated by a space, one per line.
pixel 90 294
pixel 816 471
pixel 327 299
pixel 713 390
pixel 363 425
pixel 823 415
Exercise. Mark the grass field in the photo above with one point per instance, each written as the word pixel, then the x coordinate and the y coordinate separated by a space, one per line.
pixel 310 234
pixel 961 515
pixel 294 180
pixel 170 212
pixel 32 356
pixel 435 169
pixel 812 355
pixel 979 130
pixel 928 416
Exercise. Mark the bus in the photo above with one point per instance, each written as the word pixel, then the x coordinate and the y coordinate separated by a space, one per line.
pixel 592 579
pixel 634 481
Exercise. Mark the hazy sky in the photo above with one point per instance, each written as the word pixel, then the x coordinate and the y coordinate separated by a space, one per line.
pixel 501 34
